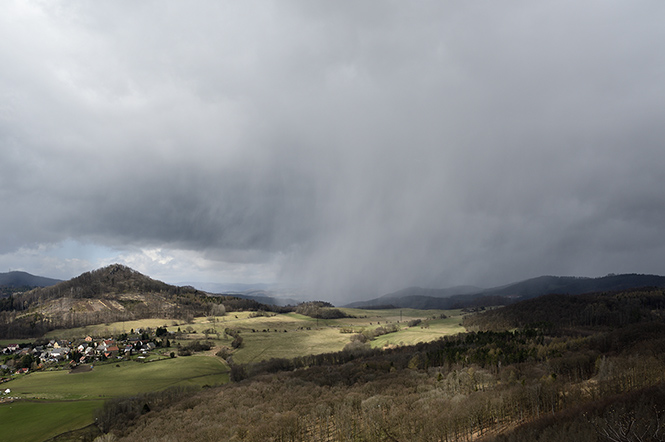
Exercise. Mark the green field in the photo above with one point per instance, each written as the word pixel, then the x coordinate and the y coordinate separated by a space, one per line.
pixel 65 401
pixel 6 342
pixel 111 329
pixel 37 421
pixel 291 335
pixel 121 379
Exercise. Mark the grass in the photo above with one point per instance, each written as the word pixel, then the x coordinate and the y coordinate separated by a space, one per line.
pixel 64 401
pixel 425 332
pixel 121 379
pixel 38 420
pixel 261 345
pixel 110 329
pixel 291 335
pixel 6 342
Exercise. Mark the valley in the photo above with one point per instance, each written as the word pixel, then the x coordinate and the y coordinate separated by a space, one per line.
pixel 50 386
pixel 163 363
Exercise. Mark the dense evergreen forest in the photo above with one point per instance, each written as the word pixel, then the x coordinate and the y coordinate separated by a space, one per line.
pixel 558 368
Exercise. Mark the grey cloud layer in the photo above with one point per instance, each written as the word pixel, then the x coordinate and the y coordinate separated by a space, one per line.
pixel 375 145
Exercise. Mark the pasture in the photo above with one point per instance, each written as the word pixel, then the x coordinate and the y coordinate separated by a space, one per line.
pixel 65 401
pixel 120 379
pixel 39 420
pixel 110 329
pixel 291 335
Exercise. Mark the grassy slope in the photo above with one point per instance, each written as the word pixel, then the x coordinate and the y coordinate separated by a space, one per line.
pixel 68 401
pixel 111 329
pixel 127 378
pixel 305 335
pixel 38 421
pixel 327 337
pixel 434 329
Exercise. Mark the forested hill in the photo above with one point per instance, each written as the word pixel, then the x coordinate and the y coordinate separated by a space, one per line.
pixel 545 285
pixel 112 293
pixel 114 282
pixel 466 296
pixel 605 309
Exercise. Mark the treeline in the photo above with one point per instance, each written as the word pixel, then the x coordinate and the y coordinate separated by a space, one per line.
pixel 236 304
pixel 320 310
pixel 371 334
pixel 193 347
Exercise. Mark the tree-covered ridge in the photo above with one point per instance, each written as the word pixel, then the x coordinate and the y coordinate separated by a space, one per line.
pixel 610 309
pixel 465 297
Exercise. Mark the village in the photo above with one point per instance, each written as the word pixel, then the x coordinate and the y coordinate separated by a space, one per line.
pixel 139 345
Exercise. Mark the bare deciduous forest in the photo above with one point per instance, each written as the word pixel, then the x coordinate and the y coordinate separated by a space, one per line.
pixel 556 368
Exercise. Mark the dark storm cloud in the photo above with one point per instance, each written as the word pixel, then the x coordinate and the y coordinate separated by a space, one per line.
pixel 363 146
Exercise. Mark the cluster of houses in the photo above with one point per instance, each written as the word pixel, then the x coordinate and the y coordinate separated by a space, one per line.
pixel 85 351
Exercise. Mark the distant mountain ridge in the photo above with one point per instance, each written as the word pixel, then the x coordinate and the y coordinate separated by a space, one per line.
pixel 269 294
pixel 24 279
pixel 466 296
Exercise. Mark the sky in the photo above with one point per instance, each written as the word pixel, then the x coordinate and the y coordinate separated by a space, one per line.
pixel 348 148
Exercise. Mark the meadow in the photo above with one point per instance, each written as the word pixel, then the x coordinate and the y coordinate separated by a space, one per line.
pixel 38 421
pixel 65 401
pixel 292 335
pixel 120 379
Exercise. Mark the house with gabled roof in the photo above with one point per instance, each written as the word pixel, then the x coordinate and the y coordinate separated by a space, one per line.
pixel 112 351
